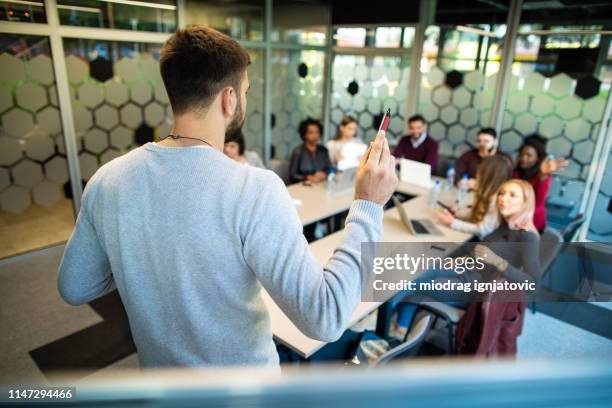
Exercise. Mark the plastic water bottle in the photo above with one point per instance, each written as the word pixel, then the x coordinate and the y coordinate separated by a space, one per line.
pixel 463 190
pixel 434 193
pixel 450 177
pixel 331 176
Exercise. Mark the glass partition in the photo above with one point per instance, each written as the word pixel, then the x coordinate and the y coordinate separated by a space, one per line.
pixel 253 128
pixel 458 67
pixel 243 20
pixel 23 11
pixel 367 81
pixel 300 23
pixel 34 181
pixel 118 99
pixel 600 227
pixel 158 16
pixel 558 91
pixel 364 86
pixel 297 92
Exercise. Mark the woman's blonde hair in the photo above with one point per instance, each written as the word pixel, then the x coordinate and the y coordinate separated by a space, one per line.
pixel 523 219
pixel 491 174
pixel 345 121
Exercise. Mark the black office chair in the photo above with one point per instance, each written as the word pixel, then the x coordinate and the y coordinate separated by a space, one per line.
pixel 550 245
pixel 449 314
pixel 412 341
pixel 570 229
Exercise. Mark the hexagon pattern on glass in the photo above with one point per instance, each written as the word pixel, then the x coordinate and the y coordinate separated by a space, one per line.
pixel 40 147
pixel 382 85
pixel 294 97
pixel 13 69
pixel 17 123
pixel 15 199
pixel 31 96
pixel 40 69
pixel 46 193
pixel 566 112
pixel 562 109
pixel 106 99
pixel 6 98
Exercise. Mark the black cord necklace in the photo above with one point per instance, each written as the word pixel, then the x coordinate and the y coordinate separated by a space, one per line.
pixel 171 136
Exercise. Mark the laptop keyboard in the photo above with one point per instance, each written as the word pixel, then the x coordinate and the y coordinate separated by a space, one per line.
pixel 419 228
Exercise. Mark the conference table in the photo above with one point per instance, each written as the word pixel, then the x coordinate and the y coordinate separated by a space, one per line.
pixel 317 204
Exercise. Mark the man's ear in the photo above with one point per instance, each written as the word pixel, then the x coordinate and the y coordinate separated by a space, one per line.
pixel 229 101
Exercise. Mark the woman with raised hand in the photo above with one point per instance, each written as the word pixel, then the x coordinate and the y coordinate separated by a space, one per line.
pixel 536 168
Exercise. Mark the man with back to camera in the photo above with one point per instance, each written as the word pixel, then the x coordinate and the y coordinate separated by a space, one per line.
pixel 189 236
pixel 418 145
pixel 487 145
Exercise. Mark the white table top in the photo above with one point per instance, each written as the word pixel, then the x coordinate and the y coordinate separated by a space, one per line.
pixel 317 204
pixel 393 231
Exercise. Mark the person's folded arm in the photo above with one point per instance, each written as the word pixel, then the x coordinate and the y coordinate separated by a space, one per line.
pixel 431 157
pixel 294 167
pixel 318 300
pixel 85 272
pixel 481 229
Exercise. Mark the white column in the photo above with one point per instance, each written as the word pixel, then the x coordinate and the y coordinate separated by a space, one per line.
pixel 505 69
pixel 63 97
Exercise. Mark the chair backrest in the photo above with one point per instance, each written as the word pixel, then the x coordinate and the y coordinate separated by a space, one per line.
pixel 550 245
pixel 281 168
pixel 570 229
pixel 415 337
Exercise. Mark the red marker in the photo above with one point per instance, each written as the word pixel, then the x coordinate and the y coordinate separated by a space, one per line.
pixel 384 123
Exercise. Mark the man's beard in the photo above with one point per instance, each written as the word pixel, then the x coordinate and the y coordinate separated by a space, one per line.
pixel 236 122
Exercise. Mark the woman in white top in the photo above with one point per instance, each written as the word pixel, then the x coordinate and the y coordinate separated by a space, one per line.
pixel 346 134
pixel 482 217
pixel 234 148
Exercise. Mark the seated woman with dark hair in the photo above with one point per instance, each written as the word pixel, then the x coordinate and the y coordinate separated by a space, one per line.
pixel 534 167
pixel 235 149
pixel 309 161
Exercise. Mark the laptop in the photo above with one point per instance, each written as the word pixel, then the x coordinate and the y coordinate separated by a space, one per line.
pixel 415 172
pixel 415 226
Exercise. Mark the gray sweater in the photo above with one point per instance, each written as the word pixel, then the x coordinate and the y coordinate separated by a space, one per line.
pixel 189 237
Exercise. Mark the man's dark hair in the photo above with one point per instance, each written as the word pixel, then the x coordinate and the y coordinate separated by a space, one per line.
pixel 196 63
pixel 488 131
pixel 307 122
pixel 417 117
